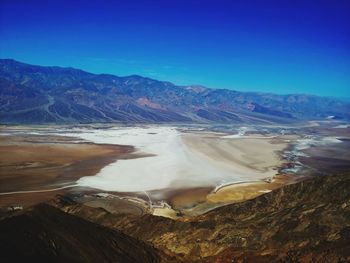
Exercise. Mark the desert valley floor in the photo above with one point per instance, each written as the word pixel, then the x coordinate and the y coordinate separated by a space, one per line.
pixel 177 171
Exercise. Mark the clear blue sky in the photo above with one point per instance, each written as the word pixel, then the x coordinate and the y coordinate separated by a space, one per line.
pixel 274 46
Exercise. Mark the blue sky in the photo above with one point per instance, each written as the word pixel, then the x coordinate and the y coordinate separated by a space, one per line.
pixel 268 46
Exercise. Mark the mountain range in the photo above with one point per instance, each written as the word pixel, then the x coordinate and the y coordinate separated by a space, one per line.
pixel 37 94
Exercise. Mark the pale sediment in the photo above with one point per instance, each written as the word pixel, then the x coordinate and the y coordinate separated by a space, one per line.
pixel 183 169
pixel 177 160
pixel 36 168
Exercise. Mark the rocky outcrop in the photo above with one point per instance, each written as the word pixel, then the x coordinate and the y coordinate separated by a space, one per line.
pixel 304 222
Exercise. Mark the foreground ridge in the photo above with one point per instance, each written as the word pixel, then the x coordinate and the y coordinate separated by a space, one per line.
pixel 46 234
pixel 303 222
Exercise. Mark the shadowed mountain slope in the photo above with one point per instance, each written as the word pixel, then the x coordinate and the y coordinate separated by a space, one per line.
pixel 46 234
pixel 36 94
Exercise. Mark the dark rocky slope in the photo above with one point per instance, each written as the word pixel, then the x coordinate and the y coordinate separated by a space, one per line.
pixel 304 222
pixel 35 94
pixel 46 234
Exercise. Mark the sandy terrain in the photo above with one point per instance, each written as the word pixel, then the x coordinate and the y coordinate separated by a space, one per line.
pixel 192 171
pixel 40 163
pixel 187 198
pixel 182 168
pixel 247 158
pixel 233 193
pixel 26 200
pixel 179 160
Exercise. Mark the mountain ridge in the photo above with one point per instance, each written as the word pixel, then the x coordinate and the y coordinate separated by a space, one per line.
pixel 45 234
pixel 38 94
pixel 301 222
